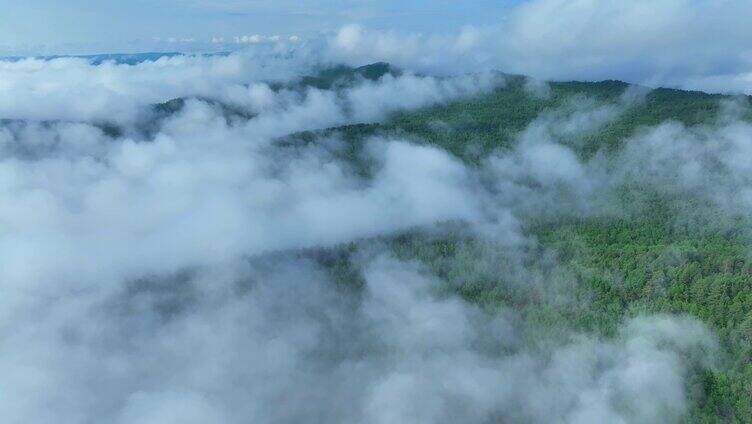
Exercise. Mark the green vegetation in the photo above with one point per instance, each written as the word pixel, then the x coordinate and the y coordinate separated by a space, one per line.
pixel 471 129
pixel 342 76
pixel 587 274
pixel 578 274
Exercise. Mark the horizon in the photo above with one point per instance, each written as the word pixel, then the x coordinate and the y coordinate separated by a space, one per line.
pixel 136 58
pixel 688 44
pixel 74 27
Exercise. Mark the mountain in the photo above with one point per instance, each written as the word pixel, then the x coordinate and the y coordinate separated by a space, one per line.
pixel 630 201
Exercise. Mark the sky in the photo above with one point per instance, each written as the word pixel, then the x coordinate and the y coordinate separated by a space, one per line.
pixel 691 44
pixel 97 26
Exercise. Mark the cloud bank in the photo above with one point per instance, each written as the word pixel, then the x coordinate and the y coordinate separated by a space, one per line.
pixel 272 342
pixel 166 276
pixel 694 44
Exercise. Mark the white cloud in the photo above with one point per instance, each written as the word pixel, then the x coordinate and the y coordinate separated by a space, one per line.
pixel 160 278
pixel 243 341
pixel 695 44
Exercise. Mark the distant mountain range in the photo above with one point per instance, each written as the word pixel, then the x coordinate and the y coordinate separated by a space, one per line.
pixel 119 58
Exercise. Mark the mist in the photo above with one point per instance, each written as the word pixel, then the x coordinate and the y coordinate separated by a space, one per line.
pixel 175 275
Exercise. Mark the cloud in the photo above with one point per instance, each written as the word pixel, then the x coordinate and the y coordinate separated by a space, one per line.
pixel 257 38
pixel 88 207
pixel 170 275
pixel 638 41
pixel 275 342
pixel 696 44
pixel 74 89
pixel 699 168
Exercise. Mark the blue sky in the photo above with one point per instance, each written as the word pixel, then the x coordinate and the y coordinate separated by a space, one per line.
pixel 104 25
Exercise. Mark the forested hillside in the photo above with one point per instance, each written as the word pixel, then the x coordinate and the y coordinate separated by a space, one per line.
pixel 651 246
pixel 374 245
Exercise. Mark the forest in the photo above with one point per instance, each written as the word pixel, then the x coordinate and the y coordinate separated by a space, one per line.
pixel 367 244
pixel 665 251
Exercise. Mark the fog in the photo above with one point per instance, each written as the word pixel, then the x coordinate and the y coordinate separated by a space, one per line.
pixel 167 276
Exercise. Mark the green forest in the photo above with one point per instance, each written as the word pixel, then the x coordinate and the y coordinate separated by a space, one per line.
pixel 647 223
pixel 661 255
pixel 376 212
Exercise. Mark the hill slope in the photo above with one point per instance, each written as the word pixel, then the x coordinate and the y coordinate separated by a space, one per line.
pixel 667 250
pixel 613 202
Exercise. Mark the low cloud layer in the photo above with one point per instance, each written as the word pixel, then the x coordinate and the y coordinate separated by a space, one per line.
pixel 273 342
pixel 85 208
pixel 161 276
pixel 544 177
